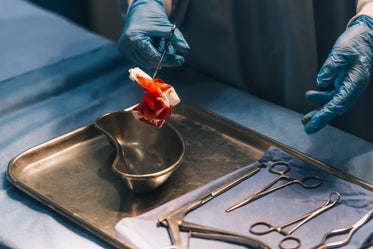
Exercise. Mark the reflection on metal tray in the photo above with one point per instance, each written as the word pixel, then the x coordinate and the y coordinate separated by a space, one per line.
pixel 72 173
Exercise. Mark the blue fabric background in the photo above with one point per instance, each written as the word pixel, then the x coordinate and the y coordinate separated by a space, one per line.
pixel 32 38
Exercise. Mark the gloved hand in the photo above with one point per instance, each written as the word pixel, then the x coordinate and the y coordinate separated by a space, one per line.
pixel 349 66
pixel 144 35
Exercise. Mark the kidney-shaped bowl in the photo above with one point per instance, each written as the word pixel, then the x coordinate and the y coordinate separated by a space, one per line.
pixel 145 156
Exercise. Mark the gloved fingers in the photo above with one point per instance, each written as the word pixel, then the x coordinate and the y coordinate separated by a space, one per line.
pixel 145 52
pixel 147 56
pixel 317 119
pixel 307 118
pixel 148 49
pixel 161 44
pixel 147 24
pixel 172 60
pixel 332 67
pixel 349 67
pixel 179 43
pixel 128 49
pixel 320 97
pixel 171 49
pixel 340 102
pixel 349 87
pixel 163 32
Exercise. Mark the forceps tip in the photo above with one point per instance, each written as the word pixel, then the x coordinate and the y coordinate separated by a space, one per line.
pixel 235 206
pixel 229 209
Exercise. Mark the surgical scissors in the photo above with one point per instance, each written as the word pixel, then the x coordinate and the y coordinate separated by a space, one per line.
pixel 348 230
pixel 282 175
pixel 289 238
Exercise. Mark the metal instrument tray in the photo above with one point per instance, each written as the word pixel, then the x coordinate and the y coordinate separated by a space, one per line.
pixel 72 174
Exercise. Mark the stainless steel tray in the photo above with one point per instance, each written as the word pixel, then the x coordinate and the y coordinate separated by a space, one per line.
pixel 72 173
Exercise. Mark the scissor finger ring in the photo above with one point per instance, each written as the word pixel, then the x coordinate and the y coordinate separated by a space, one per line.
pixel 290 242
pixel 279 167
pixel 310 181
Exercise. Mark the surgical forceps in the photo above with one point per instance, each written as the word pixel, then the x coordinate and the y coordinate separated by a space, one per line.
pixel 348 230
pixel 175 223
pixel 282 175
pixel 164 51
pixel 254 228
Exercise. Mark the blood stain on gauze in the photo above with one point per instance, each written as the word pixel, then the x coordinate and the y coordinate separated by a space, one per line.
pixel 155 106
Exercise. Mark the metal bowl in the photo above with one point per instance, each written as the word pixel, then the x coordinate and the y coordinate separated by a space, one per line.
pixel 145 156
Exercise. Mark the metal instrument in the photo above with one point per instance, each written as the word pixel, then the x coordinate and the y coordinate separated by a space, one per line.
pixel 164 51
pixel 257 228
pixel 348 230
pixel 175 223
pixel 282 175
pixel 145 157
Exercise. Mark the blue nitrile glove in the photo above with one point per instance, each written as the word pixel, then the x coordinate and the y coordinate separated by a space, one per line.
pixel 145 31
pixel 349 66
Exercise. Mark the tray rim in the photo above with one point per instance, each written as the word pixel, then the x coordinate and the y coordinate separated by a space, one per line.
pixel 116 242
pixel 22 186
